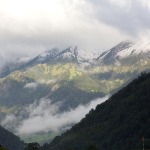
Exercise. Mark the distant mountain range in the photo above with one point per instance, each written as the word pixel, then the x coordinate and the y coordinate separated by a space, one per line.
pixel 118 55
pixel 120 123
pixel 71 77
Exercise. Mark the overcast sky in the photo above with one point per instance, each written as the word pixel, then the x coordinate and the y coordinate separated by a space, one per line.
pixel 31 26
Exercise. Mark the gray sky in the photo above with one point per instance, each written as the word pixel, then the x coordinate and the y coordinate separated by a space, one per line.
pixel 31 26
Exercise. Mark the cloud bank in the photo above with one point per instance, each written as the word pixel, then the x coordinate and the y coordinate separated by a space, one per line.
pixel 44 116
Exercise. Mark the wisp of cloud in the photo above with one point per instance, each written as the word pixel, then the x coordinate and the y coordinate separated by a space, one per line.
pixel 44 116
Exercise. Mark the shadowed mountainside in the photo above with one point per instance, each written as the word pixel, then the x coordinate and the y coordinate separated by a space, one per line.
pixel 10 141
pixel 117 124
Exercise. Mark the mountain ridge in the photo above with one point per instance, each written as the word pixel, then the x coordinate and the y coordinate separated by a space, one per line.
pixel 123 50
pixel 126 50
pixel 118 123
pixel 68 79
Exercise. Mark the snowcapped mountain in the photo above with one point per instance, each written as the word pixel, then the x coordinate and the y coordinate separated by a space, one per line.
pixel 55 55
pixel 81 57
pixel 139 48
pixel 87 57
pixel 126 52
pixel 43 57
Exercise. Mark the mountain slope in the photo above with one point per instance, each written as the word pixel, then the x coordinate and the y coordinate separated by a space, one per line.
pixel 17 64
pixel 117 124
pixel 9 140
pixel 69 76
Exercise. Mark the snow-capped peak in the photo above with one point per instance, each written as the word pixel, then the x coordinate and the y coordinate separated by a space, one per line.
pixel 125 49
pixel 141 47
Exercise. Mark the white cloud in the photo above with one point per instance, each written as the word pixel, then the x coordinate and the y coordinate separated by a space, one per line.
pixel 31 85
pixel 45 116
pixel 9 122
pixel 9 119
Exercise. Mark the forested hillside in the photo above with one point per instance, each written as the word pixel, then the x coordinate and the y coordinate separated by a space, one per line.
pixel 117 124
pixel 10 141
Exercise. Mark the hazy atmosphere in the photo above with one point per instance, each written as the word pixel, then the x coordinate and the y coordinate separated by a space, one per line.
pixel 74 74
